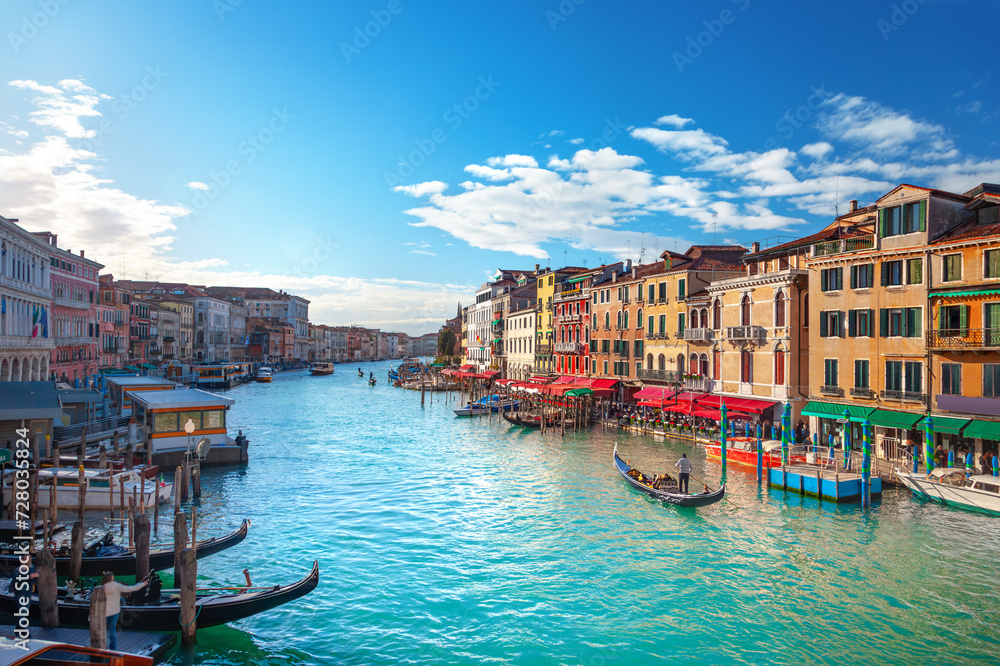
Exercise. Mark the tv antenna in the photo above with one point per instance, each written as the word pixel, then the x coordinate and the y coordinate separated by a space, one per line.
pixel 715 227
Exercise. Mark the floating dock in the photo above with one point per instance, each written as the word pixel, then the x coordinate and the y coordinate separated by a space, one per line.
pixel 823 482
pixel 145 644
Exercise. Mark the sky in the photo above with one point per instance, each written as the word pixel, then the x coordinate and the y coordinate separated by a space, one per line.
pixel 384 158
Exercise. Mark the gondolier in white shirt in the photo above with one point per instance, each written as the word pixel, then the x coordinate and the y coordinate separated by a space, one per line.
pixel 113 592
pixel 685 467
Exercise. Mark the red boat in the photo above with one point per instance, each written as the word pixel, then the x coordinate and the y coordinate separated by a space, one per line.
pixel 743 450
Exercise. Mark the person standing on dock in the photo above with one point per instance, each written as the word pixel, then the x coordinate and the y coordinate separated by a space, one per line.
pixel 685 467
pixel 113 591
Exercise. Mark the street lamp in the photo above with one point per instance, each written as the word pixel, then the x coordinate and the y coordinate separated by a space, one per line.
pixel 189 429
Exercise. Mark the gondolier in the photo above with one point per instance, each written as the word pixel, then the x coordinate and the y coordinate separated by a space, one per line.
pixel 684 465
pixel 113 591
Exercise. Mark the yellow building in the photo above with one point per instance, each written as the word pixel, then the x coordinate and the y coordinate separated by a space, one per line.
pixel 546 281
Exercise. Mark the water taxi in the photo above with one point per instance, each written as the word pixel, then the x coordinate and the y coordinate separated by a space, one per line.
pixel 264 375
pixel 163 415
pixel 321 368
pixel 104 487
pixel 743 451
pixel 121 388
pixel 951 487
pixel 222 375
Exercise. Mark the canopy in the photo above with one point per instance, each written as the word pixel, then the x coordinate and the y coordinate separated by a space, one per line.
pixel 557 389
pixel 946 424
pixel 829 410
pixel 716 414
pixel 467 366
pixel 538 380
pixel 566 379
pixel 603 383
pixel 490 374
pixel 983 429
pixel 685 408
pixel 655 393
pixel 688 396
pixel 495 321
pixel 579 392
pixel 890 419
pixel 749 406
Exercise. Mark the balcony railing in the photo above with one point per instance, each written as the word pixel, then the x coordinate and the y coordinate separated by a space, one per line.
pixel 569 347
pixel 622 352
pixel 862 393
pixel 905 396
pixel 832 390
pixel 698 334
pixel 168 338
pixel 570 318
pixel 671 376
pixel 71 303
pixel 703 384
pixel 964 338
pixel 844 245
pixel 746 332
pixel 82 341
pixel 657 336
pixel 543 350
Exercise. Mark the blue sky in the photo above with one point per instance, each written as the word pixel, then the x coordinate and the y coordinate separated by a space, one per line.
pixel 384 157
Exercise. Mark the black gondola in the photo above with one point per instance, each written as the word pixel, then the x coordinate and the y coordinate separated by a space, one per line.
pixel 225 605
pixel 512 418
pixel 103 556
pixel 642 482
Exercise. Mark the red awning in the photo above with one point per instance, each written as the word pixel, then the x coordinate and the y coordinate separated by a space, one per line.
pixel 603 383
pixel 716 415
pixel 486 375
pixel 748 405
pixel 684 408
pixel 655 393
pixel 689 396
pixel 538 380
pixel 467 366
pixel 505 382
pixel 709 401
pixel 566 379
pixel 558 389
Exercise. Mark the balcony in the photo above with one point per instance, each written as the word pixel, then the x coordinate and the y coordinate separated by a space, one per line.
pixel 543 350
pixel 82 341
pixel 698 334
pixel 569 347
pixel 746 333
pixel 657 336
pixel 862 393
pixel 699 383
pixel 168 338
pixel 622 353
pixel 965 339
pixel 905 396
pixel 669 376
pixel 71 303
pixel 834 391
pixel 565 319
pixel 844 245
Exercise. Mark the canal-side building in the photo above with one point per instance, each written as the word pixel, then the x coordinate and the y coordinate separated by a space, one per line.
pixel 512 298
pixel 571 324
pixel 607 299
pixel 139 331
pixel 519 339
pixel 115 324
pixel 545 281
pixel 292 309
pixel 75 322
pixel 963 338
pixel 868 316
pixel 182 347
pixel 167 333
pixel 663 312
pixel 26 343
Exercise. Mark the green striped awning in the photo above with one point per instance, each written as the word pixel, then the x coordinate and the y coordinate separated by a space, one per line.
pixel 496 321
pixel 983 429
pixel 579 392
pixel 829 410
pixel 578 279
pixel 890 419
pixel 497 339
pixel 971 292
pixel 945 424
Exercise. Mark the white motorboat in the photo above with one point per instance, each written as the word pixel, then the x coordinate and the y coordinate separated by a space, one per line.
pixel 321 368
pixel 950 486
pixel 103 487
pixel 473 409
pixel 264 375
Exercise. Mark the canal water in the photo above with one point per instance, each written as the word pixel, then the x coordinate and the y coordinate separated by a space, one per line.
pixel 447 540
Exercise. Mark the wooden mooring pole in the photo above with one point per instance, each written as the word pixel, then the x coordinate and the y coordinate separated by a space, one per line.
pixel 141 546
pixel 98 618
pixel 48 589
pixel 187 575
pixel 76 552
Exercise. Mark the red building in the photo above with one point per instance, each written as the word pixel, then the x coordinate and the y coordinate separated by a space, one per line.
pixel 114 315
pixel 571 325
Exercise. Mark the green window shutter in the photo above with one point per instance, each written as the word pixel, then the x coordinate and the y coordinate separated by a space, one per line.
pixel 963 318
pixel 822 325
pixel 681 284
pixel 650 321
pixel 871 323
pixel 838 319
pixel 680 323
pixel 840 278
pixel 917 329
pixel 883 323
pixel 854 277
pixel 871 274
pixel 940 318
pixel 885 273
pixel 916 271
pixel 852 324
pixel 881 223
pixel 923 215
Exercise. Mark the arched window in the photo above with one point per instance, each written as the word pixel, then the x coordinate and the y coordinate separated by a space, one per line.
pixel 619 320
pixel 779 309
pixel 649 361
pixel 661 362
pixel 586 334
pixel 680 363
pixel 694 364
pixel 717 314
pixel 703 362
pixel 716 364
pixel 607 321
pixel 805 311
pixel 779 367
pixel 638 319
pixel 745 311
pixel 625 318
pixel 704 318
pixel 746 366
pixel 3 258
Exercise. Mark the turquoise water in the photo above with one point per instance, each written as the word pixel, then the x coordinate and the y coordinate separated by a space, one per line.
pixel 444 540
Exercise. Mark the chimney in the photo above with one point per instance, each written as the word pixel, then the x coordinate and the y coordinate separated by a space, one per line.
pixel 634 271
pixel 754 248
pixel 81 254
pixel 536 269
pixel 628 265
pixel 854 205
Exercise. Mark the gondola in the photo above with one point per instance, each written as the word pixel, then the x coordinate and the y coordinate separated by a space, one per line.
pixel 372 381
pixel 213 607
pixel 642 482
pixel 104 556
pixel 512 418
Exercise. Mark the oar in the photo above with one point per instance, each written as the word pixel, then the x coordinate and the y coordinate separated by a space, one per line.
pixel 725 497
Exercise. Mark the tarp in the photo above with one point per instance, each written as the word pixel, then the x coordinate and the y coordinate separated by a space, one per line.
pixel 603 383
pixel 486 375
pixel 655 393
pixel 748 405
pixel 983 429
pixel 890 419
pixel 829 410
pixel 579 392
pixel 946 424
pixel 467 366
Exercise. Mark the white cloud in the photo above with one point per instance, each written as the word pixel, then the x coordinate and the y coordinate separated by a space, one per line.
pixel 423 189
pixel 876 127
pixel 576 142
pixel 196 185
pixel 61 107
pixel 512 161
pixel 686 143
pixel 816 150
pixel 673 120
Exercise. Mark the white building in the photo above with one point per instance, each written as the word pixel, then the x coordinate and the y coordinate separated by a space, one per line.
pixel 25 305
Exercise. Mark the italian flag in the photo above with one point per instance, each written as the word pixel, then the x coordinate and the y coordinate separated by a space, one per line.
pixel 36 327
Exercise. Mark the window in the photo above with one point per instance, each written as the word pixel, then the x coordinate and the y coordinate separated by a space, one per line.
pixel 952 268
pixel 992 267
pixel 717 364
pixel 652 292
pixel 891 221
pixel 745 311
pixel 746 366
pixel 779 367
pixel 663 324
pixel 607 321
pixel 861 373
pixel 914 376
pixel 779 309
pixel 892 273
pixel 717 314
pixel 905 219
pixel 605 364
pixel 951 378
pixel 830 371
pixel 863 276
pixel 681 286
pixel 638 349
pixel 953 320
pixel 893 375
pixel 649 328
pixel 638 319
pixel 680 324
pixel 663 292
pixel 914 271
pixel 625 319
pixel 900 322
pixel 859 323
pixel 911 218
pixel 829 324
pixel 831 279
pixel 991 380
pixel 805 311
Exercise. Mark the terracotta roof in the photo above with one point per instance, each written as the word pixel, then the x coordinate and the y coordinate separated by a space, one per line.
pixel 830 233
pixel 968 231
pixel 940 193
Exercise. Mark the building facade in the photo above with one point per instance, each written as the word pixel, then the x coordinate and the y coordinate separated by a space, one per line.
pixel 26 343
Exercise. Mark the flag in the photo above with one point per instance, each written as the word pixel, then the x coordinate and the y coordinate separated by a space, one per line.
pixel 45 323
pixel 35 328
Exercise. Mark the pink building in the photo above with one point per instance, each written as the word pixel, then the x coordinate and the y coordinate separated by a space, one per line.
pixel 75 324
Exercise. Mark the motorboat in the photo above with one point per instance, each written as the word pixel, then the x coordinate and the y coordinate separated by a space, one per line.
pixel 265 375
pixel 950 486
pixel 104 487
pixel 321 368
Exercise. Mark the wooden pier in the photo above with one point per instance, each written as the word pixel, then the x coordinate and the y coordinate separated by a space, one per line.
pixel 141 643
pixel 825 482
